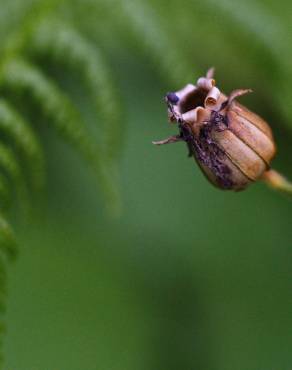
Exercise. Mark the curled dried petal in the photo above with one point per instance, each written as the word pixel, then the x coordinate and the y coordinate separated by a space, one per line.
pixel 184 92
pixel 205 83
pixel 210 72
pixel 196 115
pixel 212 97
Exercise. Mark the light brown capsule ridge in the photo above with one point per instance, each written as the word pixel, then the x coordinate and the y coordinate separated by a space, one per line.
pixel 253 118
pixel 251 135
pixel 240 154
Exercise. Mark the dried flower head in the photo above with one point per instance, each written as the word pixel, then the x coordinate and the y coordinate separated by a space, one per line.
pixel 232 145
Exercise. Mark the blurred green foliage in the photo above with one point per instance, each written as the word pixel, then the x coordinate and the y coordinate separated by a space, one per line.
pixel 187 276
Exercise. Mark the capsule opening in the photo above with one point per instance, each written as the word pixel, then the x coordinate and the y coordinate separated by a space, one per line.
pixel 192 100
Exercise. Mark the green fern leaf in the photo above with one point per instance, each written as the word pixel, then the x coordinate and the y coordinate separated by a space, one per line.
pixel 24 139
pixel 3 294
pixel 140 22
pixel 8 250
pixel 254 19
pixel 5 193
pixel 69 48
pixel 9 165
pixel 148 27
pixel 8 244
pixel 251 17
pixel 21 76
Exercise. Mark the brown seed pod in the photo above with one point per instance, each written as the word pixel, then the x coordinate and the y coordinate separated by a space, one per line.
pixel 232 145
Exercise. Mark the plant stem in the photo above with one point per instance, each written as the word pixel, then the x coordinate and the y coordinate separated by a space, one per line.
pixel 277 181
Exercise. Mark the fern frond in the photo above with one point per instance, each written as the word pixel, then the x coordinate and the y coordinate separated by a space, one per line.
pixel 9 165
pixel 8 245
pixel 69 48
pixel 3 282
pixel 3 294
pixel 146 23
pixel 8 250
pixel 253 18
pixel 5 193
pixel 147 28
pixel 21 76
pixel 20 134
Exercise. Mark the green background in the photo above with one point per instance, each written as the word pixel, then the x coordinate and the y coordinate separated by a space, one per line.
pixel 186 277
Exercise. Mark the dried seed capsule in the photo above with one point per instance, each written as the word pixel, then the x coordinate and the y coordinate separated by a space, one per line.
pixel 232 145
